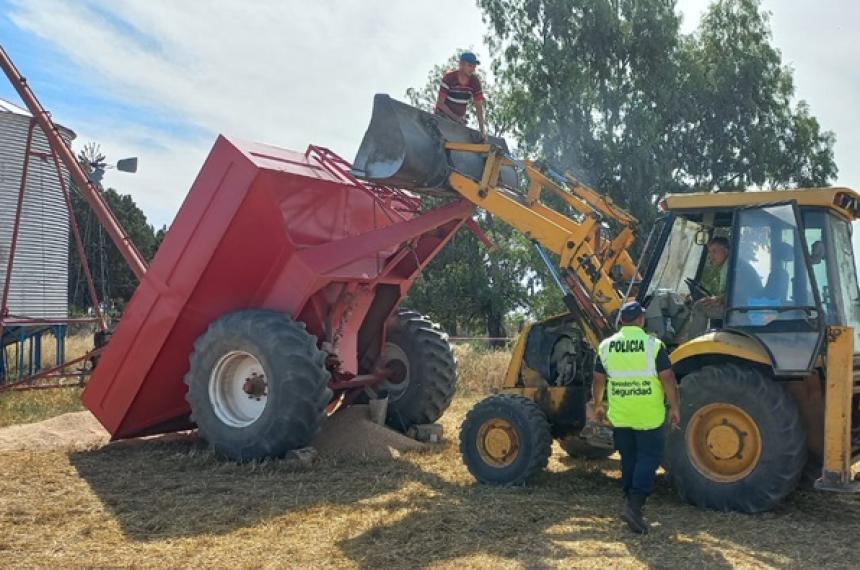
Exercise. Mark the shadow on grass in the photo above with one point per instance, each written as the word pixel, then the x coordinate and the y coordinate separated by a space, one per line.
pixel 563 518
pixel 174 489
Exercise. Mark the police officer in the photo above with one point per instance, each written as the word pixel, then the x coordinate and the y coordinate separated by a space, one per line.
pixel 635 366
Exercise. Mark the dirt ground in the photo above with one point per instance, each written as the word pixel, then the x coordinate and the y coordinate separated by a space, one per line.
pixel 173 504
pixel 349 433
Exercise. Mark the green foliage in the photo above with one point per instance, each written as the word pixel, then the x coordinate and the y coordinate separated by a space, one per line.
pixel 587 87
pixel 612 91
pixel 470 289
pixel 739 126
pixel 113 280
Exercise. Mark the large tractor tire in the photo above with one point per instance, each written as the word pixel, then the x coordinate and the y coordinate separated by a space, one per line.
pixel 505 440
pixel 741 446
pixel 257 386
pixel 576 446
pixel 425 372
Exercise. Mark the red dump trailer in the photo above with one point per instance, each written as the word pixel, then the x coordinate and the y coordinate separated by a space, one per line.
pixel 275 296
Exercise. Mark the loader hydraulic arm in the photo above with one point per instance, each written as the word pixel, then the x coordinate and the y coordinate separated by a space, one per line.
pixel 594 269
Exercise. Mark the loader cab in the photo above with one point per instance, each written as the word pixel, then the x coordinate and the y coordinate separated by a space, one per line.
pixel 790 273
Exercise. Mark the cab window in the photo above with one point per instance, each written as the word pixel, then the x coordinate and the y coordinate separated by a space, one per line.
pixel 818 241
pixel 679 259
pixel 768 273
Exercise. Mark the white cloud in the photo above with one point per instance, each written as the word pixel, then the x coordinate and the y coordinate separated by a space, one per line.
pixel 165 172
pixel 293 73
pixel 285 73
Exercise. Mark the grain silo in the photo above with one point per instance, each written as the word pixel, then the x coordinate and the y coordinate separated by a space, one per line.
pixel 39 283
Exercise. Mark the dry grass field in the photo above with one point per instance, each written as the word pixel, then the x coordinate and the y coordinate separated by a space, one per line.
pixel 30 406
pixel 173 504
pixel 34 405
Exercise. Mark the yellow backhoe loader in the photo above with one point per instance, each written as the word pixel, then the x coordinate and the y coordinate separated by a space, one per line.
pixel 768 389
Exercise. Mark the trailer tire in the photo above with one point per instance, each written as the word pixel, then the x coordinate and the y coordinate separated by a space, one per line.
pixel 427 369
pixel 257 385
pixel 741 446
pixel 506 440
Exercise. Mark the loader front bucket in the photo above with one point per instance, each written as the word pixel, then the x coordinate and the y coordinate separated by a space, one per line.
pixel 405 147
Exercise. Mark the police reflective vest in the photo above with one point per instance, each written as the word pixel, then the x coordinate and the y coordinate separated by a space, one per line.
pixel 633 389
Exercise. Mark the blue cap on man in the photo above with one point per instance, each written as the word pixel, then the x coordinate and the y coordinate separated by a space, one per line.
pixel 631 311
pixel 469 57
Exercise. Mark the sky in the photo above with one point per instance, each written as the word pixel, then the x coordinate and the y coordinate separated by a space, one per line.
pixel 159 79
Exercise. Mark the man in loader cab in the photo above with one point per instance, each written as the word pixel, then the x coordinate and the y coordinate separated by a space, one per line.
pixel 636 368
pixel 457 88
pixel 713 307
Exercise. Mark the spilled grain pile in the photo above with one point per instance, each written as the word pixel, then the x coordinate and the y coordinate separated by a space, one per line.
pixel 349 433
pixel 73 431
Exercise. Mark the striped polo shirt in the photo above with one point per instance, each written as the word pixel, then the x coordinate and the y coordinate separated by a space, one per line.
pixel 457 96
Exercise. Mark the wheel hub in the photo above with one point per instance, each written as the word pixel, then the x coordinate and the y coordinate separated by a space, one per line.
pixel 498 442
pixel 397 371
pixel 238 389
pixel 255 386
pixel 724 442
pixel 396 361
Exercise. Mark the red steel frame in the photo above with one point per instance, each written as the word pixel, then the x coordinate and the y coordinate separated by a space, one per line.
pixel 267 228
pixel 54 376
pixel 244 238
pixel 59 151
pixel 64 153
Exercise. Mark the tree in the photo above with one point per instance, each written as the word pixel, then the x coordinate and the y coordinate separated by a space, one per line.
pixel 471 290
pixel 611 90
pixel 112 278
pixel 740 128
pixel 587 86
pixel 467 288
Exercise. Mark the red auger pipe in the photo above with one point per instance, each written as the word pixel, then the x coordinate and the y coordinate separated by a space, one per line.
pixel 89 190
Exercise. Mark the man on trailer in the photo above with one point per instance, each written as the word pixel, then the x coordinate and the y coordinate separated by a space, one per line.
pixel 637 370
pixel 457 88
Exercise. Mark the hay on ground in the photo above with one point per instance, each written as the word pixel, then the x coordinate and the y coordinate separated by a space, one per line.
pixel 349 433
pixel 74 431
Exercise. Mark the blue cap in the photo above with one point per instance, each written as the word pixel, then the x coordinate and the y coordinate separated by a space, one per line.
pixel 469 57
pixel 630 311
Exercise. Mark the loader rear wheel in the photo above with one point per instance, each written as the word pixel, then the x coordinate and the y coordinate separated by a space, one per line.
pixel 741 445
pixel 505 440
pixel 257 386
pixel 425 374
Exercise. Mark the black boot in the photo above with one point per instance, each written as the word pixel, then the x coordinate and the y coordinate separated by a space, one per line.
pixel 632 513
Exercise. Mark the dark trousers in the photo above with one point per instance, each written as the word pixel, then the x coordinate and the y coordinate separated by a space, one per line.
pixel 641 453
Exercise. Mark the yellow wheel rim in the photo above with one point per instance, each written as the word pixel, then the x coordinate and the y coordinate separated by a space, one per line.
pixel 723 442
pixel 498 442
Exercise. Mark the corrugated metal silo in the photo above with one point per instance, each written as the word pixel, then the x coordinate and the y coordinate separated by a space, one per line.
pixel 39 285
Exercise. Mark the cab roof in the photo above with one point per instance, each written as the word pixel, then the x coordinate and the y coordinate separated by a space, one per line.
pixel 843 201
